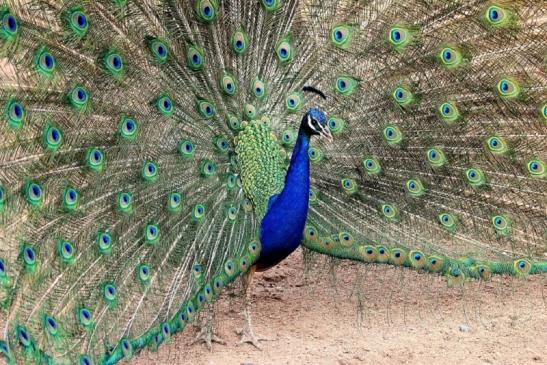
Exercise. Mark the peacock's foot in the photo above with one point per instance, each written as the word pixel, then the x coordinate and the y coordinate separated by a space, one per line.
pixel 248 336
pixel 207 336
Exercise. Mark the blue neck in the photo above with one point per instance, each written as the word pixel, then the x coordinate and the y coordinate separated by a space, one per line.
pixel 297 181
pixel 282 228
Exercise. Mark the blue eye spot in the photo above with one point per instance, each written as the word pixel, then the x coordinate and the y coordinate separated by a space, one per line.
pixel 283 52
pixel 399 94
pixel 82 20
pixel 12 24
pixel 258 90
pixel 522 264
pixel 494 142
pixel 48 60
pixel 446 109
pixel 494 14
pixel 412 185
pixel 105 239
pixel 55 135
pixel 239 44
pixel 24 335
pixel 417 257
pixel 200 210
pixel 96 155
pixel 208 110
pixel 67 248
pixel 504 86
pixel 498 221
pixel 433 262
pixel 397 254
pixel 195 58
pixel 342 84
pixel 30 253
pixel 338 35
pixel 472 174
pixel 207 11
pixel 18 110
pixel 534 166
pixel 116 62
pixel 81 94
pixel 36 191
pixel 433 155
pixel 447 55
pixel 396 35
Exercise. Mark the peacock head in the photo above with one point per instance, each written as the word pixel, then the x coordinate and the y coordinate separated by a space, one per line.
pixel 314 123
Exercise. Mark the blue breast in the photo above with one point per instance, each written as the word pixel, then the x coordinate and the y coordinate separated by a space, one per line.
pixel 282 227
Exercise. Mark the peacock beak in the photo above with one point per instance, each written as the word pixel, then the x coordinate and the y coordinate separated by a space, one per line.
pixel 325 133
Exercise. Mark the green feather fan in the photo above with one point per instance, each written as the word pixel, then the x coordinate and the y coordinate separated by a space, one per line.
pixel 142 140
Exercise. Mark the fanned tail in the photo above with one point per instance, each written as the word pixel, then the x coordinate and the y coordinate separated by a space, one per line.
pixel 123 206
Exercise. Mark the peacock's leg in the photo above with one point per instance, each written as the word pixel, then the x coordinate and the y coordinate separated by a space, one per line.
pixel 207 333
pixel 247 333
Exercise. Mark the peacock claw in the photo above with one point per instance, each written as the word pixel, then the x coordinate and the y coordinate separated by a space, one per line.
pixel 207 336
pixel 248 336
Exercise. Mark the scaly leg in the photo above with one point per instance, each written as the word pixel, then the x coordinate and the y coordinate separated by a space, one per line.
pixel 247 333
pixel 207 334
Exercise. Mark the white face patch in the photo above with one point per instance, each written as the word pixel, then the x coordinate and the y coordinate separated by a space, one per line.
pixel 310 124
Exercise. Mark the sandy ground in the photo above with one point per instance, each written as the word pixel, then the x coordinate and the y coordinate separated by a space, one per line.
pixel 406 318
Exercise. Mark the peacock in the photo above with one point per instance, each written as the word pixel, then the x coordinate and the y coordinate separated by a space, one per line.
pixel 154 151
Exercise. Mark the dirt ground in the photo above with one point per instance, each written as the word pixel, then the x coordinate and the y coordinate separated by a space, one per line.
pixel 405 318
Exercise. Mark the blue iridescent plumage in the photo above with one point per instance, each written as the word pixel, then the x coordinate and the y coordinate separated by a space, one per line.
pixel 282 227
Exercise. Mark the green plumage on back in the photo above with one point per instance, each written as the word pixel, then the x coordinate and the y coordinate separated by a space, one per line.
pixel 261 164
pixel 141 142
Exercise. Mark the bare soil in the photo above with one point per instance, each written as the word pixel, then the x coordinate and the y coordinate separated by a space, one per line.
pixel 373 315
